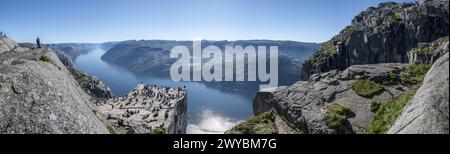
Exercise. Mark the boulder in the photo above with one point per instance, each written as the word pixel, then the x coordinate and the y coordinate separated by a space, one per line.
pixel 427 112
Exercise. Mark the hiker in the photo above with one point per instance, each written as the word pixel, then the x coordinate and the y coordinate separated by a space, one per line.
pixel 38 42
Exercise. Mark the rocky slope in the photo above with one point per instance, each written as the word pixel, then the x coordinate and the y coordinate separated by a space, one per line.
pixel 91 85
pixel 42 92
pixel 339 96
pixel 427 112
pixel 148 109
pixel 39 95
pixel 429 52
pixel 382 34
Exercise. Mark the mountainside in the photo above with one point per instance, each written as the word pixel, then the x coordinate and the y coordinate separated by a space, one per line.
pixel 382 34
pixel 339 96
pixel 42 92
pixel 39 95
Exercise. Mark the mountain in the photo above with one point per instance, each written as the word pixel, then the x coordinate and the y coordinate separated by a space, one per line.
pixel 42 93
pixel 386 73
pixel 382 34
pixel 39 95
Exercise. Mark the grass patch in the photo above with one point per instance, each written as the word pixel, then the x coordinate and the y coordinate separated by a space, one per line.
pixel 252 126
pixel 391 79
pixel 45 58
pixel 159 130
pixel 329 48
pixel 366 88
pixel 111 129
pixel 415 73
pixel 336 117
pixel 389 112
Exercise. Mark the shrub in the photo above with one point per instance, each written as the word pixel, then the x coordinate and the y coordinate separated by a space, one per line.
pixel 44 58
pixel 419 68
pixel 159 131
pixel 391 79
pixel 389 112
pixel 336 118
pixel 251 126
pixel 366 88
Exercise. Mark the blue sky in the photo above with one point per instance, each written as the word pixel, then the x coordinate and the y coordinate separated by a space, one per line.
pixel 93 21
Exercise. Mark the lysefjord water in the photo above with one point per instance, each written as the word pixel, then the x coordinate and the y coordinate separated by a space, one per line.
pixel 209 110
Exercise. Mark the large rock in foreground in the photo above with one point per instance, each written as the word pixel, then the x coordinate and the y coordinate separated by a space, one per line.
pixel 148 110
pixel 427 112
pixel 39 95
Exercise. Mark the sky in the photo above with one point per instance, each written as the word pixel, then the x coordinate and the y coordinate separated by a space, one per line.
pixel 96 21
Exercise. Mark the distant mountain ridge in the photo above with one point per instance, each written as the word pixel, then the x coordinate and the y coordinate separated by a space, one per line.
pixel 153 57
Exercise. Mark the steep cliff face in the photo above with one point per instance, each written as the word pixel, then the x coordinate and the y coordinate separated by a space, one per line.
pixel 382 34
pixel 427 112
pixel 39 95
pixel 148 109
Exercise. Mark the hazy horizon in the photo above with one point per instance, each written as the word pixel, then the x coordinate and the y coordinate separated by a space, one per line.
pixel 100 21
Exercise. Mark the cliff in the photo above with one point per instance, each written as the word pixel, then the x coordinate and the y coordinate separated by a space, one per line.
pixel 39 95
pixel 360 81
pixel 91 85
pixel 41 92
pixel 334 102
pixel 148 109
pixel 382 34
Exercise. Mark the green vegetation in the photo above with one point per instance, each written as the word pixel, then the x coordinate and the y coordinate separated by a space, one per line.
pixel 366 88
pixel 336 117
pixel 256 123
pixel 111 129
pixel 415 73
pixel 394 18
pixel 423 51
pixel 419 68
pixel 389 112
pixel 159 131
pixel 391 79
pixel 431 48
pixel 329 48
pixel 45 58
pixel 426 15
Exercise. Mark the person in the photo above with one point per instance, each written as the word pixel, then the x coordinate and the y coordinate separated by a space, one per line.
pixel 38 42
